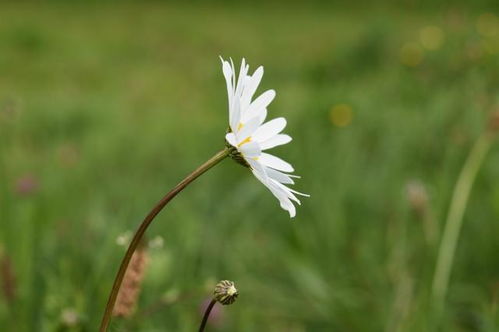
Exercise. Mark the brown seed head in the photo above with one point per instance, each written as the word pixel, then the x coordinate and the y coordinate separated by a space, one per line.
pixel 132 283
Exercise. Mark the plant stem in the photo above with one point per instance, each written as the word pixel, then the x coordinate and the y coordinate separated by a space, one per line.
pixel 455 218
pixel 143 227
pixel 206 315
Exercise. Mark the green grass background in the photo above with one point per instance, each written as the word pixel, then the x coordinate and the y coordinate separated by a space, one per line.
pixel 104 108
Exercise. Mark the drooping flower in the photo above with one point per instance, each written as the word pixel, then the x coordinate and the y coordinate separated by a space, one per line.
pixel 250 136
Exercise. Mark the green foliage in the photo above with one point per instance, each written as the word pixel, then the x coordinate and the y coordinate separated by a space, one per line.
pixel 104 108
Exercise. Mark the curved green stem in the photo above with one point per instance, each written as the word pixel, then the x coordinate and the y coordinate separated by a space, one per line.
pixel 143 227
pixel 455 218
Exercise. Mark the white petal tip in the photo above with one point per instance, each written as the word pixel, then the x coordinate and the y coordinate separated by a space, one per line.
pixel 231 138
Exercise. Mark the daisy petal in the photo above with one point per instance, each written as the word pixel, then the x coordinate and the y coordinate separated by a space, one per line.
pixel 242 77
pixel 297 192
pixel 233 77
pixel 251 85
pixel 250 150
pixel 227 70
pixel 231 138
pixel 284 201
pixel 289 192
pixel 247 129
pixel 235 115
pixel 269 129
pixel 262 114
pixel 258 170
pixel 288 206
pixel 275 162
pixel 279 176
pixel 285 189
pixel 261 102
pixel 275 141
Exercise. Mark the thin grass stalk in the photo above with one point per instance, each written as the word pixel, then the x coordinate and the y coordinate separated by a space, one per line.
pixel 454 220
pixel 106 318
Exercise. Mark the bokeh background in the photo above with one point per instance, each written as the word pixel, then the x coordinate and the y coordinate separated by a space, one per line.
pixel 106 106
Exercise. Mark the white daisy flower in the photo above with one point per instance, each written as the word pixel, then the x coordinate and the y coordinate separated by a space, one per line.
pixel 249 136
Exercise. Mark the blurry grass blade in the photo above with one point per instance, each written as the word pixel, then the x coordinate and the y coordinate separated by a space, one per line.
pixel 454 221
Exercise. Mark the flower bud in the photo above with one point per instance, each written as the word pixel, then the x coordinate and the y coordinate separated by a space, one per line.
pixel 225 292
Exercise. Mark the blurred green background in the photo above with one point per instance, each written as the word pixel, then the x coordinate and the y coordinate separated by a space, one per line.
pixel 105 107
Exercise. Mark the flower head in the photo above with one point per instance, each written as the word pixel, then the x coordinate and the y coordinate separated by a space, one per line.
pixel 225 292
pixel 249 136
